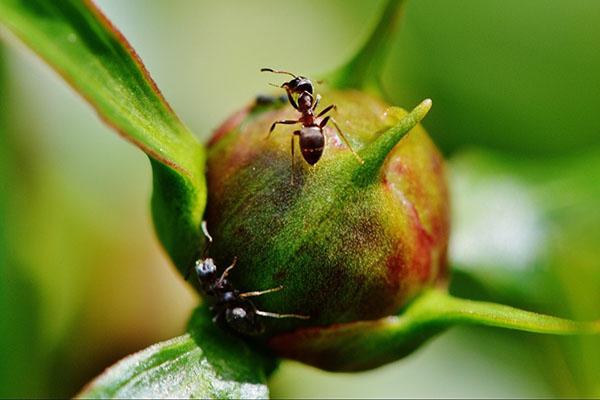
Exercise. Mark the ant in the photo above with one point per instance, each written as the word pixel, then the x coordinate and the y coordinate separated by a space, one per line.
pixel 231 307
pixel 266 100
pixel 312 139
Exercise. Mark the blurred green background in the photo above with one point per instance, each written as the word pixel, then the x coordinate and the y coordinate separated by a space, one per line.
pixel 515 87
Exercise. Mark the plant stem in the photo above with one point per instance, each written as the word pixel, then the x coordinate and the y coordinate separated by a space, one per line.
pixel 439 308
pixel 363 345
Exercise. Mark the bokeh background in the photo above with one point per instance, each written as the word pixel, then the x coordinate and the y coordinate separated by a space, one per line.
pixel 516 93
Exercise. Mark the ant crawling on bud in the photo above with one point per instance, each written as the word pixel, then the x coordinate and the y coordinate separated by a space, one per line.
pixel 232 308
pixel 311 135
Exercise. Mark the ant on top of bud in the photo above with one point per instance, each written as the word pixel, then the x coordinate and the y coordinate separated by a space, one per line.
pixel 312 139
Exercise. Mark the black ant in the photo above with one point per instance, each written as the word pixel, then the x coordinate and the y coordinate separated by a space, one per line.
pixel 311 135
pixel 232 308
pixel 266 100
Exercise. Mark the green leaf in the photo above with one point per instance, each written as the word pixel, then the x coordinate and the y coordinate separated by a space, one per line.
pixel 368 344
pixel 363 71
pixel 207 362
pixel 75 39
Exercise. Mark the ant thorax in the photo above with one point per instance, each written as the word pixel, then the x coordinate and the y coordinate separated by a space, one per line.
pixel 305 103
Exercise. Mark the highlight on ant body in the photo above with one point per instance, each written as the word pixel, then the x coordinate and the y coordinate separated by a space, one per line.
pixel 311 137
pixel 231 307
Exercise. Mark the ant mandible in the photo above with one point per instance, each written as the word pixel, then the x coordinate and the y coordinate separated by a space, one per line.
pixel 312 139
pixel 231 307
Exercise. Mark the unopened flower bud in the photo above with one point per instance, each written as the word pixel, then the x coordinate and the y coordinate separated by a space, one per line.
pixel 348 241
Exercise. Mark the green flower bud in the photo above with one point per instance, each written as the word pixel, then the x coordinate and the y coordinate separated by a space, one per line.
pixel 347 241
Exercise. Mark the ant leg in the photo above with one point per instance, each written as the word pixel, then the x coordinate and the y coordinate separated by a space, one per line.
pixel 284 122
pixel 275 315
pixel 326 110
pixel 291 98
pixel 289 95
pixel 292 176
pixel 296 133
pixel 342 136
pixel 226 272
pixel 316 103
pixel 261 292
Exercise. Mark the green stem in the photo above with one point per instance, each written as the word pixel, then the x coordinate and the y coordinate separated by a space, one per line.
pixel 363 71
pixel 439 308
pixel 364 345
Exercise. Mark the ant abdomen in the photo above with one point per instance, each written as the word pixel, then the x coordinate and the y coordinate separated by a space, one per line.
pixel 312 142
pixel 243 319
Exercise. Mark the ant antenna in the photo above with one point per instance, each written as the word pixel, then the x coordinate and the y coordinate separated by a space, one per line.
pixel 260 292
pixel 205 231
pixel 210 239
pixel 275 315
pixel 277 72
pixel 226 272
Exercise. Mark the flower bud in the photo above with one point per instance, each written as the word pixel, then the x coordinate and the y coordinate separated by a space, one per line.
pixel 347 241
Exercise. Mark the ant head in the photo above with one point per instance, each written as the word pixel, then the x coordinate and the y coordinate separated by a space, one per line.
pixel 206 269
pixel 242 318
pixel 299 84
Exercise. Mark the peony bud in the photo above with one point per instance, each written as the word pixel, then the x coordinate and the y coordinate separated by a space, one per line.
pixel 347 241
